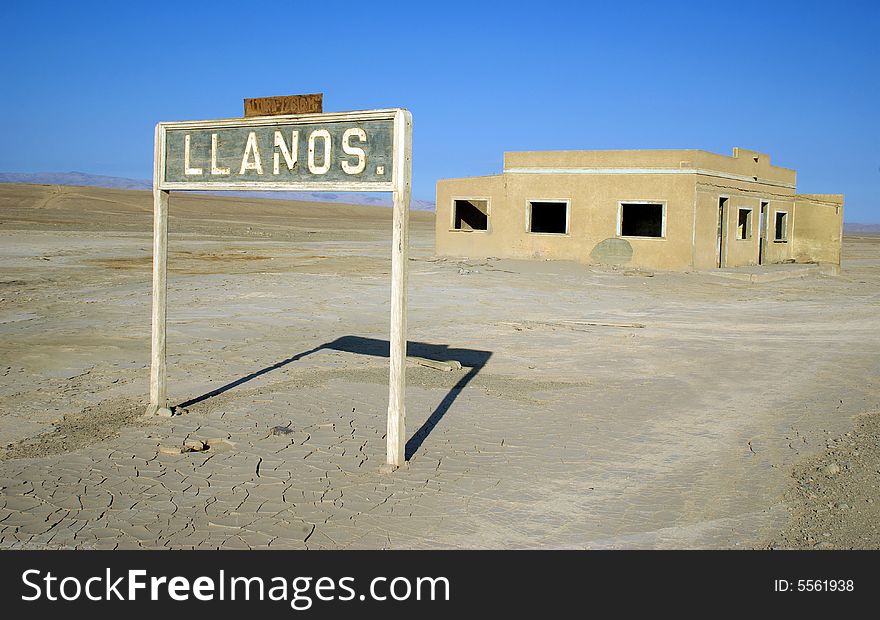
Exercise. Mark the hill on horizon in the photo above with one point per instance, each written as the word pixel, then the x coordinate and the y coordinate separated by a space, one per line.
pixel 854 228
pixel 85 179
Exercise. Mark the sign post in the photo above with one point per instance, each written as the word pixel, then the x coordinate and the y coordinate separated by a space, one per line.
pixel 367 151
pixel 396 439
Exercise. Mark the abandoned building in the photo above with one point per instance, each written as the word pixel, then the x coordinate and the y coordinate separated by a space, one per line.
pixel 665 209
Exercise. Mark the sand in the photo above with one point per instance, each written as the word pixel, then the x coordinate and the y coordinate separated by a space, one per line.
pixel 693 418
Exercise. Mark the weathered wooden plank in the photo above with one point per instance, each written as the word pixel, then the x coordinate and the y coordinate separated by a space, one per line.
pixel 396 437
pixel 289 104
pixel 572 324
pixel 158 390
pixel 604 324
pixel 446 366
pixel 285 153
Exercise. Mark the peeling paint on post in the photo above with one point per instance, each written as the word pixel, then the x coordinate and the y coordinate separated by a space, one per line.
pixel 351 151
pixel 396 438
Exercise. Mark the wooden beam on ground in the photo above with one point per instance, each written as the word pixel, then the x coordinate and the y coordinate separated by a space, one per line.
pixel 605 324
pixel 447 366
pixel 573 324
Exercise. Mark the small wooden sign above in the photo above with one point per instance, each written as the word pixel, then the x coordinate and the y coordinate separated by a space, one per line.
pixel 291 104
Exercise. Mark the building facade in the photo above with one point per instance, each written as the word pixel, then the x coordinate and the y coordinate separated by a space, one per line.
pixel 676 210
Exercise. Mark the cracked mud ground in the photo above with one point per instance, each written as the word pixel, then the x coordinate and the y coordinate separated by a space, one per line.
pixel 699 429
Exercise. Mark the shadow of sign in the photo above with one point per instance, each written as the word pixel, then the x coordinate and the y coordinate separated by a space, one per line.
pixel 472 360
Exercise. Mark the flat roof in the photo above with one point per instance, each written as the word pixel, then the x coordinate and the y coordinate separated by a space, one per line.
pixel 751 165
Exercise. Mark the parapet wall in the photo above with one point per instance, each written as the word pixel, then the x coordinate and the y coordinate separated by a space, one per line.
pixel 744 164
pixel 818 228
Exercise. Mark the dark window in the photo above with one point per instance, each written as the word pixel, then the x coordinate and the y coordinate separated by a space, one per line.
pixel 548 217
pixel 781 226
pixel 641 219
pixel 471 215
pixel 744 224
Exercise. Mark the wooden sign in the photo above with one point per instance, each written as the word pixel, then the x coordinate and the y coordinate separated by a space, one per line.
pixel 291 104
pixel 352 151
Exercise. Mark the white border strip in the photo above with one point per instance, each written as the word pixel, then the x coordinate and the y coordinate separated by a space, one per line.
pixel 454 199
pixel 529 205
pixel 711 173
pixel 620 204
pixel 159 181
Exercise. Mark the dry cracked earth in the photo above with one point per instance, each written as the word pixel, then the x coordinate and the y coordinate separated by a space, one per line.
pixel 594 408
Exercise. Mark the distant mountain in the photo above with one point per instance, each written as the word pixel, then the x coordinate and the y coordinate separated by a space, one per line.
pixel 74 178
pixel 97 180
pixel 861 229
pixel 349 198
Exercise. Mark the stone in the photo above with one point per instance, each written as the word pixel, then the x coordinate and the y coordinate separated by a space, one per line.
pixel 194 445
pixel 219 444
pixel 832 469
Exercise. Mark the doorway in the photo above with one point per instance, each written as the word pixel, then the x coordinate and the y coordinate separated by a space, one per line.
pixel 762 232
pixel 721 246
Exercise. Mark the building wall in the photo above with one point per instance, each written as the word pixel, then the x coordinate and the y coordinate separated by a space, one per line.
pixel 593 218
pixel 818 228
pixel 705 227
pixel 740 195
pixel 476 244
pixel 689 183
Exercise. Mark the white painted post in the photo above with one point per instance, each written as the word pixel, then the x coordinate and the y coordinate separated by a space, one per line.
pixel 158 390
pixel 396 437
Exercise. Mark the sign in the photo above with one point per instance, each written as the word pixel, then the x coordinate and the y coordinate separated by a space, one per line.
pixel 335 152
pixel 351 151
pixel 291 104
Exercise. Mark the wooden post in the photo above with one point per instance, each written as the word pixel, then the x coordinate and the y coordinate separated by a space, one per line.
pixel 396 437
pixel 158 390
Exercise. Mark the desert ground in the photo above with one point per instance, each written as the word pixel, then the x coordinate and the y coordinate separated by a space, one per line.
pixel 596 408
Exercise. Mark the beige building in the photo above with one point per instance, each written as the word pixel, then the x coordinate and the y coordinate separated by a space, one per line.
pixel 671 210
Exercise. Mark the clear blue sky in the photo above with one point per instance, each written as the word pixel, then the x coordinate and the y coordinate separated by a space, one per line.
pixel 84 82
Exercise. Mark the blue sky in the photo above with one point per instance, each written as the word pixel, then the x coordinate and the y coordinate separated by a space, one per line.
pixel 84 82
